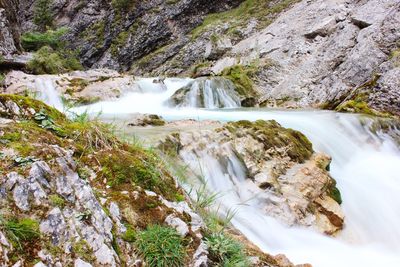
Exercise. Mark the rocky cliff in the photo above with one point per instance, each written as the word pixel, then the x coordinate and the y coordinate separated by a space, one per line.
pixel 311 53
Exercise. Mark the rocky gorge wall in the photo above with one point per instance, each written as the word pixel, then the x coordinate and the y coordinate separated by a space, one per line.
pixel 330 54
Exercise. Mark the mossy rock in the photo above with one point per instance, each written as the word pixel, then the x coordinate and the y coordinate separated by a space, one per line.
pixel 26 103
pixel 273 135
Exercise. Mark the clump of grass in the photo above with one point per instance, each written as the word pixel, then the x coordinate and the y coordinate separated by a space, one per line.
pixel 225 251
pixel 161 246
pixel 20 231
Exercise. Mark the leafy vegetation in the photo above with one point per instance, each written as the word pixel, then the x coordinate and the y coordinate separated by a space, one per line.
pixel 43 16
pixel 225 251
pixel 161 246
pixel 49 61
pixel 33 41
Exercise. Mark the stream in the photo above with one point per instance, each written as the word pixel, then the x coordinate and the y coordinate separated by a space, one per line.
pixel 366 166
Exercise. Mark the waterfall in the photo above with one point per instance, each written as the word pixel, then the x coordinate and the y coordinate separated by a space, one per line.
pixel 366 166
pixel 210 93
pixel 48 93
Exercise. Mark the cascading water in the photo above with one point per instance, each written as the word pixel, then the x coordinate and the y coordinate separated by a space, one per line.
pixel 48 93
pixel 365 165
pixel 207 93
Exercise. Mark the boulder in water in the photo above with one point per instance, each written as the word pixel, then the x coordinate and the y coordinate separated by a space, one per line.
pixel 268 166
pixel 215 92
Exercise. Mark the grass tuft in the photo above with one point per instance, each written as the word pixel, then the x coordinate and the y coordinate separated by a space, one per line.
pixel 161 246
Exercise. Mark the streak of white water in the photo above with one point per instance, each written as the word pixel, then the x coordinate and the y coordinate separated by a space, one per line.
pixel 211 93
pixel 48 93
pixel 150 100
pixel 366 167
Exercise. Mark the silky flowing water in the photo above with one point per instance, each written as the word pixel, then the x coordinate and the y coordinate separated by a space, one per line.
pixel 366 166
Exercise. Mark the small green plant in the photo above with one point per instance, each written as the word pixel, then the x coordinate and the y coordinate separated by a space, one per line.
pixel 43 16
pixel 225 251
pixel 46 122
pixel 161 246
pixel 130 234
pixel 56 200
pixel 20 231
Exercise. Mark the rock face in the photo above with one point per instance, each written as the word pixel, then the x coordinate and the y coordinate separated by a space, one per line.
pixel 324 51
pixel 279 169
pixel 7 45
pixel 115 35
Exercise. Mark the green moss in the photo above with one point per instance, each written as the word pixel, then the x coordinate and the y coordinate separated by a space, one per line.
pixel 12 137
pixel 137 167
pixel 95 34
pixel 58 201
pixel 119 42
pixel 273 135
pixel 240 76
pixel 130 234
pixel 26 103
pixel 334 192
pixel 161 246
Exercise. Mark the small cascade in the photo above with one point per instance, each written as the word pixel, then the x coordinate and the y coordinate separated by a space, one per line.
pixel 210 93
pixel 48 93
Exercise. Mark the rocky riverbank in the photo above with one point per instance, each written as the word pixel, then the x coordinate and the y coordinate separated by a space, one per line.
pixel 74 194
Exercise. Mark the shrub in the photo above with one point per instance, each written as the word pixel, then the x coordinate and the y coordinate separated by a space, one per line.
pixel 225 251
pixel 33 41
pixel 48 61
pixel 43 17
pixel 161 246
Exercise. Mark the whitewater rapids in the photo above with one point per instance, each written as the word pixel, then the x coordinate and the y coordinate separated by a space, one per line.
pixel 366 166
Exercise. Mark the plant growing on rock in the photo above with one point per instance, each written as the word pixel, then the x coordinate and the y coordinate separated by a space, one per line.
pixel 225 251
pixel 161 246
pixel 43 16
pixel 20 231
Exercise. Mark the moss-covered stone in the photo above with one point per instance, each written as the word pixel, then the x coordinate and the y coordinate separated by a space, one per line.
pixel 273 135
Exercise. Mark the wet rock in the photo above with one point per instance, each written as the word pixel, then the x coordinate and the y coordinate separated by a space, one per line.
pixel 146 120
pixel 275 164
